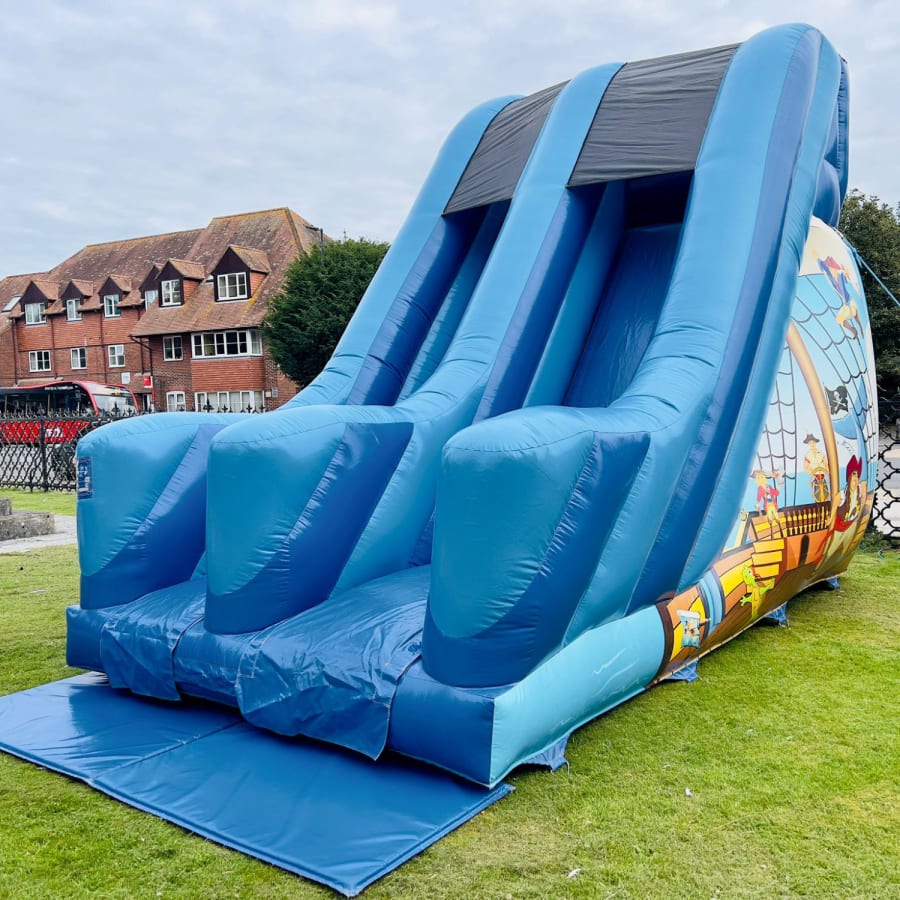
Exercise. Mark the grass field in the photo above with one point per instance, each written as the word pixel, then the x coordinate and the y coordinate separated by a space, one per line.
pixel 57 502
pixel 775 775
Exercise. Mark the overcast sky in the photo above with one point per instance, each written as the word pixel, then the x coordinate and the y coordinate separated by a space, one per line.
pixel 122 119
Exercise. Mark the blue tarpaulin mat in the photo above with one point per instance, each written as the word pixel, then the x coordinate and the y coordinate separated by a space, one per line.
pixel 324 813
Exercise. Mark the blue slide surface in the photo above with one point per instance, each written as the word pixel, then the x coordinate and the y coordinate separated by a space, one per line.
pixel 518 494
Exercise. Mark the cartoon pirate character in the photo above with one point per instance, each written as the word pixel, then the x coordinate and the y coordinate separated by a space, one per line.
pixel 846 524
pixel 762 483
pixel 772 492
pixel 766 494
pixel 853 496
pixel 816 465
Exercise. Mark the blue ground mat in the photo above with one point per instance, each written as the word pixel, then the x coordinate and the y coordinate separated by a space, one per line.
pixel 324 813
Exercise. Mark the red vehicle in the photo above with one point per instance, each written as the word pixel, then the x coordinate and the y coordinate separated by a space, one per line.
pixel 57 407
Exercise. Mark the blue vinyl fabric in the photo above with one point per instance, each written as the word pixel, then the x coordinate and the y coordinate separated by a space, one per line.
pixel 566 385
pixel 722 321
pixel 333 817
pixel 339 691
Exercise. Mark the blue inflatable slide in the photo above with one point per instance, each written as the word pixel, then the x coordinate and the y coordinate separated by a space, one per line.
pixel 465 537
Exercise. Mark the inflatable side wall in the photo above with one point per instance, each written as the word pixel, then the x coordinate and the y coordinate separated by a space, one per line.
pixel 609 401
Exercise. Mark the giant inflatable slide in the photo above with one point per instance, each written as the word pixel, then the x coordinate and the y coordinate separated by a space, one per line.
pixel 608 401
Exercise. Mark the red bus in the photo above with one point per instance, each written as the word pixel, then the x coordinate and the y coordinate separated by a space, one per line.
pixel 57 405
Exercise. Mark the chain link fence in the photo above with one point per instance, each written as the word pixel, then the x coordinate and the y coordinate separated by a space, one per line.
pixel 886 509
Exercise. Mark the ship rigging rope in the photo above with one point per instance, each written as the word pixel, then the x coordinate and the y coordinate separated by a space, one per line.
pixel 870 270
pixel 782 401
pixel 854 368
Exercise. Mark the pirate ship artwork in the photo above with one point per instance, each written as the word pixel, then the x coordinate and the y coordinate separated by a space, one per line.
pixel 808 499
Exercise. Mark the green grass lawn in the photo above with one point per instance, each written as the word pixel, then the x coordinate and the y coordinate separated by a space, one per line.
pixel 775 775
pixel 57 502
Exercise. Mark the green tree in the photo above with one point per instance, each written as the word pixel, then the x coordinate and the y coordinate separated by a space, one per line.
pixel 873 228
pixel 320 292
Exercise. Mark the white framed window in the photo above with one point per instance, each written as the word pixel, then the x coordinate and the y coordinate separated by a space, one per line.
pixel 35 313
pixel 116 354
pixel 170 292
pixel 111 306
pixel 228 401
pixel 245 342
pixel 150 297
pixel 38 360
pixel 232 286
pixel 175 401
pixel 73 309
pixel 79 357
pixel 172 348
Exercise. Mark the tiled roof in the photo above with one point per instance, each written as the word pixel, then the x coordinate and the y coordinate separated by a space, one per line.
pixel 85 287
pixel 50 289
pixel 122 282
pixel 11 286
pixel 255 260
pixel 133 298
pixel 132 258
pixel 188 268
pixel 200 312
pixel 267 241
pixel 127 262
pixel 280 234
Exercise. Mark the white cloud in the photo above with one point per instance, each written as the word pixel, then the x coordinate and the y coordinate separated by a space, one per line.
pixel 127 119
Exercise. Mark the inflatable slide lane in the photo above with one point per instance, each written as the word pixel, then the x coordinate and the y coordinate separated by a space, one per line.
pixel 608 402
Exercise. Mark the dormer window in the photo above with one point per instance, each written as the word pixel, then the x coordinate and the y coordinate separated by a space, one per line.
pixel 232 286
pixel 73 309
pixel 35 313
pixel 170 292
pixel 150 297
pixel 111 306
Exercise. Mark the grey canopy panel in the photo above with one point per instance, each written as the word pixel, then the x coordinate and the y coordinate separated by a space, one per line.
pixel 497 163
pixel 652 117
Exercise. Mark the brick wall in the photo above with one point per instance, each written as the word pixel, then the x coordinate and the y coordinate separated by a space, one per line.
pixel 7 355
pixel 171 375
pixel 256 279
pixel 246 373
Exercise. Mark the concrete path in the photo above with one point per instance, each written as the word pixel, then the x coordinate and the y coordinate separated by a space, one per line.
pixel 65 534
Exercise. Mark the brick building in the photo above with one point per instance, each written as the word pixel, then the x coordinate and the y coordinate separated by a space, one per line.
pixel 174 317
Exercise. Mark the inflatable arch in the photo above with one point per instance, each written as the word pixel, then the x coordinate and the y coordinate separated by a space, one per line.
pixel 608 401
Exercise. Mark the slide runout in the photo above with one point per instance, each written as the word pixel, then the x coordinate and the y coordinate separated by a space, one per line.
pixel 126 515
